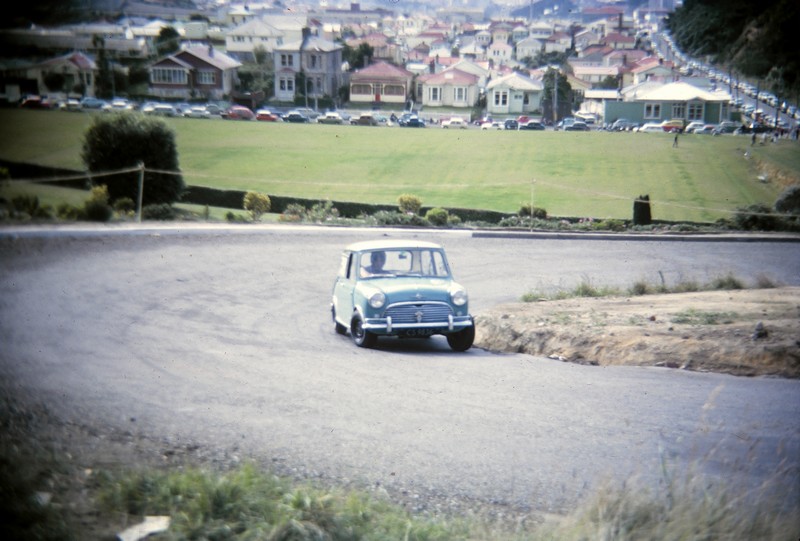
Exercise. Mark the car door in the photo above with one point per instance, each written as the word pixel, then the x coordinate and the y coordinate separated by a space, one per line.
pixel 343 290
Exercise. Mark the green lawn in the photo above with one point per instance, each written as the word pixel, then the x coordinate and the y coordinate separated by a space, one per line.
pixel 593 174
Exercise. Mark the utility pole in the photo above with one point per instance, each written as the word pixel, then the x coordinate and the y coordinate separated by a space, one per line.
pixel 555 99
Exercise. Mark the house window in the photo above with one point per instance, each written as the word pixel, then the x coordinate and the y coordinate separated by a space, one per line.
pixel 314 60
pixel 206 77
pixel 361 89
pixel 652 110
pixel 286 84
pixel 394 90
pixel 459 94
pixel 678 110
pixel 695 111
pixel 287 60
pixel 434 94
pixel 168 76
pixel 501 98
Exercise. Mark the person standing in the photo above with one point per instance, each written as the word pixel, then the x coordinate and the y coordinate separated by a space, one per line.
pixel 675 140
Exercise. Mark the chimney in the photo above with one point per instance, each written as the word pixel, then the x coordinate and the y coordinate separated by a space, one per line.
pixel 210 50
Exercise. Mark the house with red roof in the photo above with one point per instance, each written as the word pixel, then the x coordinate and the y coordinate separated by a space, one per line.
pixel 193 72
pixel 449 88
pixel 381 83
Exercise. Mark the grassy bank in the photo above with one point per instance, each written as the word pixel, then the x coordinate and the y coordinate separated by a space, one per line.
pixel 594 174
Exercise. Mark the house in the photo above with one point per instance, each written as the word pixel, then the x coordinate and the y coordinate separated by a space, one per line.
pixel 500 52
pixel 76 73
pixel 450 88
pixel 558 42
pixel 318 59
pixel 193 72
pixel 653 69
pixel 242 41
pixel 381 83
pixel 618 40
pixel 513 94
pixel 529 48
pixel 382 47
pixel 654 102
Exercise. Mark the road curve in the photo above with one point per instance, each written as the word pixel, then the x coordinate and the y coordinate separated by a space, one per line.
pixel 222 336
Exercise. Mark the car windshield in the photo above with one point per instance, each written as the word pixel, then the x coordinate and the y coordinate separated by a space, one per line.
pixel 393 263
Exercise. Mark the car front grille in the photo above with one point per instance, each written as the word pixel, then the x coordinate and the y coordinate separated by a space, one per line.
pixel 418 313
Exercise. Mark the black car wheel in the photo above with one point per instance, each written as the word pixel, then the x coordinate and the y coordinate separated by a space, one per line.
pixel 361 337
pixel 462 340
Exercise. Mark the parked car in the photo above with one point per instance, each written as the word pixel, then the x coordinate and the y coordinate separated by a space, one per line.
pixel 399 288
pixel 71 104
pixel 92 103
pixel 308 112
pixel 331 117
pixel 118 104
pixel 455 122
pixel 238 112
pixel 674 125
pixel 492 125
pixel 651 127
pixel 707 129
pixel 623 124
pixel 577 126
pixel 198 111
pixel 511 124
pixel 413 122
pixel 296 117
pixel 165 109
pixel 213 108
pixel 694 125
pixel 265 115
pixel 365 119
pixel 532 125
pixel 726 127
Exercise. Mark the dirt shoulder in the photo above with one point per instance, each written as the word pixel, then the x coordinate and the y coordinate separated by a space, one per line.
pixel 742 332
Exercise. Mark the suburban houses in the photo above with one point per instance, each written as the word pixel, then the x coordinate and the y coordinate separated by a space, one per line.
pixel 442 59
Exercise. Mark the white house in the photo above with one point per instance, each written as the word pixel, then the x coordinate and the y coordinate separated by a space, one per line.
pixel 513 94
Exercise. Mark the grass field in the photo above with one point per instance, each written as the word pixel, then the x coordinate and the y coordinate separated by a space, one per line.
pixel 594 174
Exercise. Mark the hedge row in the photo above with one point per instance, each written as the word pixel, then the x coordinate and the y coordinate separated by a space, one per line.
pixel 233 199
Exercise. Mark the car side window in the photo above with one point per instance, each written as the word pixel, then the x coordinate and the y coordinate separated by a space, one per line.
pixel 433 264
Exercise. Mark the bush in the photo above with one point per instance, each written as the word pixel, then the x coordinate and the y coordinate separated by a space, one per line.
pixel 322 212
pixel 755 218
pixel 384 217
pixel 28 206
pixel 96 208
pixel 124 205
pixel 789 200
pixel 529 211
pixel 257 204
pixel 123 141
pixel 409 204
pixel 161 211
pixel 437 216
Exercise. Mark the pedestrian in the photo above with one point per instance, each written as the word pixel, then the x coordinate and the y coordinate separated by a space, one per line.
pixel 675 141
pixel 753 139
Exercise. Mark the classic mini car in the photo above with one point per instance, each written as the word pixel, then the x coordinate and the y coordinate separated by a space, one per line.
pixel 400 288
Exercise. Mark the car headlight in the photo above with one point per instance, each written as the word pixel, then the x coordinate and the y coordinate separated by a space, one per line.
pixel 377 300
pixel 459 297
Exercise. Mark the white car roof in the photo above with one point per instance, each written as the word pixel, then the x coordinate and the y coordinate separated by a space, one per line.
pixel 389 244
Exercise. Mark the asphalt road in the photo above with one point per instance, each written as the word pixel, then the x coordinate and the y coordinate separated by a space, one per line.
pixel 223 337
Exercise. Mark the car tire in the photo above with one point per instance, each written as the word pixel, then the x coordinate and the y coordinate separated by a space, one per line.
pixel 463 339
pixel 340 329
pixel 361 337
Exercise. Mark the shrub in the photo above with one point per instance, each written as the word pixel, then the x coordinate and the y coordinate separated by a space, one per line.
pixel 528 211
pixel 454 219
pixel 384 217
pixel 123 141
pixel 789 200
pixel 755 218
pixel 96 208
pixel 161 211
pixel 257 204
pixel 65 211
pixel 437 216
pixel 124 205
pixel 28 206
pixel 409 204
pixel 322 212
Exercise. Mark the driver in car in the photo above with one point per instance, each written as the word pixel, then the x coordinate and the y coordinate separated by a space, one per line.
pixel 377 260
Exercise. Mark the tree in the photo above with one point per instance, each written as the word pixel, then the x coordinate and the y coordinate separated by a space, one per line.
pixel 359 57
pixel 168 41
pixel 257 204
pixel 122 141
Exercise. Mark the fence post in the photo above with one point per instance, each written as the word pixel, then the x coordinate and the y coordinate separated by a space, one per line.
pixel 141 193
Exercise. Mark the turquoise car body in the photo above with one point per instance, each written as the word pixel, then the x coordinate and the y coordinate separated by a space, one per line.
pixel 412 294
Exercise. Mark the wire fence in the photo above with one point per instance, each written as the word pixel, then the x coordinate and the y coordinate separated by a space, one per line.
pixel 93 175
